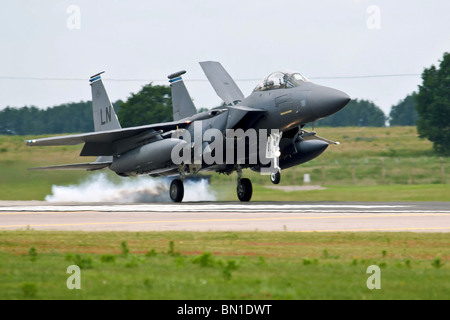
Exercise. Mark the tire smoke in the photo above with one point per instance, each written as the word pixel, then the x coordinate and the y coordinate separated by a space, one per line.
pixel 100 188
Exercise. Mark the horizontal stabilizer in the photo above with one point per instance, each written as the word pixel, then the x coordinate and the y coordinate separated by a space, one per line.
pixel 222 82
pixel 89 166
pixel 106 140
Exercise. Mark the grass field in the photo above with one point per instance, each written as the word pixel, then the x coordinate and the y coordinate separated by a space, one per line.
pixel 405 193
pixel 223 265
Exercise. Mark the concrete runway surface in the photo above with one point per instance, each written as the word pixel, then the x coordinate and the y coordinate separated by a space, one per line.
pixel 227 216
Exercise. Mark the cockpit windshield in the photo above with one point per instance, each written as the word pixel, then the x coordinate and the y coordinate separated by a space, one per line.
pixel 281 80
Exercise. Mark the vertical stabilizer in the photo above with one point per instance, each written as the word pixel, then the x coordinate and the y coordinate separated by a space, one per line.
pixel 222 82
pixel 105 117
pixel 183 106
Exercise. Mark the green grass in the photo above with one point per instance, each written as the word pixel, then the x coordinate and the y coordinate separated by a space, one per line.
pixel 18 183
pixel 223 265
pixel 408 193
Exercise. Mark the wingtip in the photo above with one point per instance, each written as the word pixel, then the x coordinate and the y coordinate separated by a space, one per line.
pixel 30 142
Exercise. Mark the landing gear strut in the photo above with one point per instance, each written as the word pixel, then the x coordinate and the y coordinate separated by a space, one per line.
pixel 244 187
pixel 273 151
pixel 176 190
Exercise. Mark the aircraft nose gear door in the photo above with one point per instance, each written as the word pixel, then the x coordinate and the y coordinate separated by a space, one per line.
pixel 273 152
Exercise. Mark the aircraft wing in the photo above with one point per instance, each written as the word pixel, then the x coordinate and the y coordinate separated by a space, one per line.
pixel 111 142
pixel 222 82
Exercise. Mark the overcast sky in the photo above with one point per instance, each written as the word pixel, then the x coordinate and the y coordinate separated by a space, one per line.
pixel 143 39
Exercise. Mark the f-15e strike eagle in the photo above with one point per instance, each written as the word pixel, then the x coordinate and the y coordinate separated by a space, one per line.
pixel 263 132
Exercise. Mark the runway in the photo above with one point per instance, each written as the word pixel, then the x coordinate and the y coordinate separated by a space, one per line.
pixel 227 216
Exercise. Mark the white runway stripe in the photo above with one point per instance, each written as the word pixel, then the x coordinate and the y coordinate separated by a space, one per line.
pixel 294 208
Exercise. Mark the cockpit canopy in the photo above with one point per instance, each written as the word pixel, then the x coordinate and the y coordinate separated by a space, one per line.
pixel 281 80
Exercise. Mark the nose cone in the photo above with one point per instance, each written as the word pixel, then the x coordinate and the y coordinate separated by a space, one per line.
pixel 324 101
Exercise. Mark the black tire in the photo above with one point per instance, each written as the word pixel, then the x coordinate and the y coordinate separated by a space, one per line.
pixel 245 190
pixel 176 190
pixel 275 178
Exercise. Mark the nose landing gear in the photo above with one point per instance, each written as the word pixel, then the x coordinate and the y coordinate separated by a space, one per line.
pixel 275 177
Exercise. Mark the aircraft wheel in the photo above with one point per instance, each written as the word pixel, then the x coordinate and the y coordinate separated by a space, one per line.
pixel 176 190
pixel 275 177
pixel 244 189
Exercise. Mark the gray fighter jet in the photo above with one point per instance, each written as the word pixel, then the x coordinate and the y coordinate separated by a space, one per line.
pixel 263 132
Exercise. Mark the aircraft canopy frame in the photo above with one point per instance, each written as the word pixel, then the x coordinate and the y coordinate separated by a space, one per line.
pixel 281 80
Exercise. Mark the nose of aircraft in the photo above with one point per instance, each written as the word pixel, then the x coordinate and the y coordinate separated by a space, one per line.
pixel 324 101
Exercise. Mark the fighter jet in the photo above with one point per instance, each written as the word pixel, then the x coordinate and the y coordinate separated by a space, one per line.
pixel 262 132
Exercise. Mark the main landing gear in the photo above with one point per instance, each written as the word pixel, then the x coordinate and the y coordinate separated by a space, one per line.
pixel 244 187
pixel 176 190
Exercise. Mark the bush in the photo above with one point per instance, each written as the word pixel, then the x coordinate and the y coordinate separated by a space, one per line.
pixel 32 253
pixel 204 260
pixel 437 263
pixel 124 247
pixel 108 258
pixel 84 262
pixel 29 289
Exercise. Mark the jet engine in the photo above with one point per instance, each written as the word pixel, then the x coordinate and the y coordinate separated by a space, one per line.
pixel 146 159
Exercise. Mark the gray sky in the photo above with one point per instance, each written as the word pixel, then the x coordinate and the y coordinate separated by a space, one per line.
pixel 139 39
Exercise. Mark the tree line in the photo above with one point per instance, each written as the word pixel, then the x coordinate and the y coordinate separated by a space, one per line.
pixel 70 117
pixel 153 104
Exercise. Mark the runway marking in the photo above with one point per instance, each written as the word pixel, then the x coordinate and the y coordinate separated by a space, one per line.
pixel 228 220
pixel 5 213
pixel 42 212
pixel 193 208
pixel 370 213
